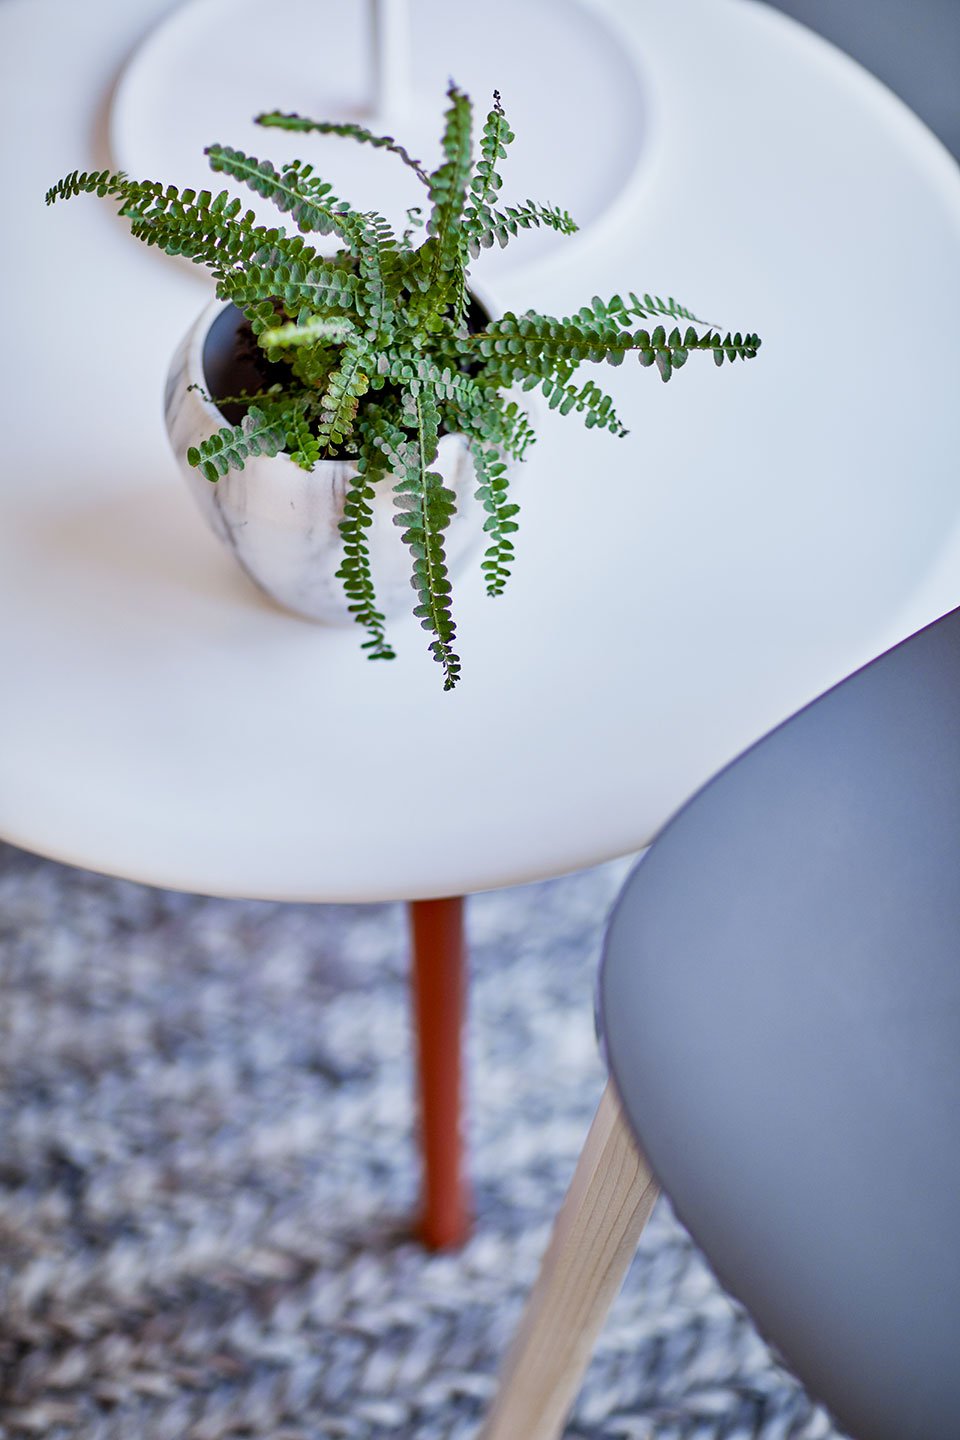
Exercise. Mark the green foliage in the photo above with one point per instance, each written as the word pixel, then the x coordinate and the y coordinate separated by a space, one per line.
pixel 426 507
pixel 357 519
pixel 492 492
pixel 371 354
pixel 443 256
pixel 260 432
pixel 276 119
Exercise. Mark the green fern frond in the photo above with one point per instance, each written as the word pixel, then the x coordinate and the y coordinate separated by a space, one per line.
pixel 532 346
pixel 355 572
pixel 312 205
pixel 379 264
pixel 589 400
pixel 637 308
pixel 731 347
pixel 339 404
pixel 95 182
pixel 415 221
pixel 426 507
pixel 321 286
pixel 443 254
pixel 309 202
pixel 277 120
pixel 383 432
pixel 295 190
pixel 258 433
pixel 301 444
pixel 464 404
pixel 413 372
pixel 312 329
pixel 244 397
pixel 487 182
pixel 518 433
pixel 211 231
pixel 492 492
pixel 500 225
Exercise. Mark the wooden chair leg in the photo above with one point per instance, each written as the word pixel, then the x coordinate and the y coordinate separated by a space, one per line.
pixel 593 1242
pixel 439 1003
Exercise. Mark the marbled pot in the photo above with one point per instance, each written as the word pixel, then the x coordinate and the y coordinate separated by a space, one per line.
pixel 281 522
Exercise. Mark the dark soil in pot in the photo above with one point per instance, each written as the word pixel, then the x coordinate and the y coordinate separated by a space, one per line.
pixel 234 364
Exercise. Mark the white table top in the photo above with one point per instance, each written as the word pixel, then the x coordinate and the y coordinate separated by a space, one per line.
pixel 763 530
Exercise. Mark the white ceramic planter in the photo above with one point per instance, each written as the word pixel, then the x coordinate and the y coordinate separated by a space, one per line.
pixel 281 522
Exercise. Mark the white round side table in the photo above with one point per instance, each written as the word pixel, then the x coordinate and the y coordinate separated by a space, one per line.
pixel 761 532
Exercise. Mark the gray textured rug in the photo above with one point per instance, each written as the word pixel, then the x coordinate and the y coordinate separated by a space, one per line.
pixel 207 1169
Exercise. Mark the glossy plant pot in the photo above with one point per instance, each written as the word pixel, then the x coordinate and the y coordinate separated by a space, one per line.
pixel 281 522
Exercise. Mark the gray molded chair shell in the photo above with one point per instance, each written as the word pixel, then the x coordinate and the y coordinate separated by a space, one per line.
pixel 780 1005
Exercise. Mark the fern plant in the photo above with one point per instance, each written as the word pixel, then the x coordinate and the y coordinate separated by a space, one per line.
pixel 376 355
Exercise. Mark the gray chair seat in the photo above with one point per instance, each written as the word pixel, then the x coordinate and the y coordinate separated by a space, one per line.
pixel 780 1001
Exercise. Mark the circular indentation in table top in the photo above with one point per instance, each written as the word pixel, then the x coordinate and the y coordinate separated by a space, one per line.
pixel 208 68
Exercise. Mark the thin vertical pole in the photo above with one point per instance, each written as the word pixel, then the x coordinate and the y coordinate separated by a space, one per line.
pixel 439 1006
pixel 390 58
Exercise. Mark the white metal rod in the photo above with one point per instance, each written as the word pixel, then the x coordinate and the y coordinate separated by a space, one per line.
pixel 390 58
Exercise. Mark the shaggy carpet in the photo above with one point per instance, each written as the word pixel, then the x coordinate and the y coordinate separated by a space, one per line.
pixel 207 1168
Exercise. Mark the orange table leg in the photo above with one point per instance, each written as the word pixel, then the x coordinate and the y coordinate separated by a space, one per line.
pixel 439 1004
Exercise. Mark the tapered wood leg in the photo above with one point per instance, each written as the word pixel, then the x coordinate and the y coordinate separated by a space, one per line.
pixel 593 1242
pixel 439 1003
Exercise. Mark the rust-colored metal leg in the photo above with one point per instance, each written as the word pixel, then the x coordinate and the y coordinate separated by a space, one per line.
pixel 439 1005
